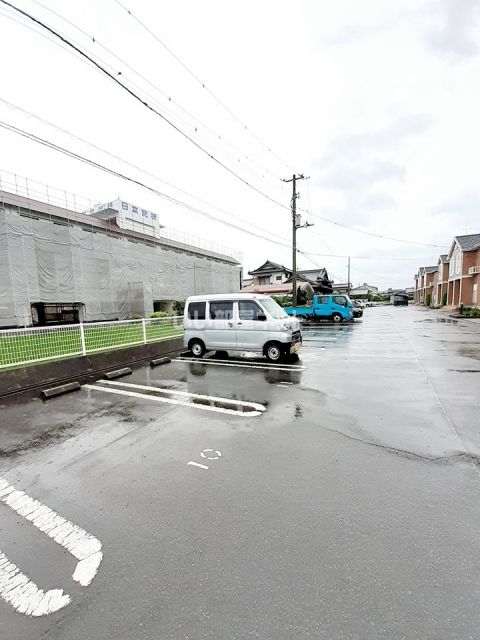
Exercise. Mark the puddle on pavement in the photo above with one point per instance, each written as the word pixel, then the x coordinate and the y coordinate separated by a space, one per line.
pixel 443 320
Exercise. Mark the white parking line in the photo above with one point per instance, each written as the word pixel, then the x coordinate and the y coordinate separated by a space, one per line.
pixel 247 365
pixel 82 545
pixel 24 595
pixel 257 409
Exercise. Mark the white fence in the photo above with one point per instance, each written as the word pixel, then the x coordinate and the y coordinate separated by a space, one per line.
pixel 26 346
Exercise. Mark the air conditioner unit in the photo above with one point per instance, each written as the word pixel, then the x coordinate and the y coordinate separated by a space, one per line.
pixel 473 270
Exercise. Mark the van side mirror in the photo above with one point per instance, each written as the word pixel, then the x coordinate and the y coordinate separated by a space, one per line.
pixel 261 317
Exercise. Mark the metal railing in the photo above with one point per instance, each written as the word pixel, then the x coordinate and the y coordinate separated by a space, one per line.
pixel 19 347
pixel 47 194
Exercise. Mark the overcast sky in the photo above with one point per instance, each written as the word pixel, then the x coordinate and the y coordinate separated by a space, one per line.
pixel 376 101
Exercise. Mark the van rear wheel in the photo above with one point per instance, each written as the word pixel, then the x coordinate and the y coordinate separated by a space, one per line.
pixel 336 317
pixel 274 352
pixel 197 348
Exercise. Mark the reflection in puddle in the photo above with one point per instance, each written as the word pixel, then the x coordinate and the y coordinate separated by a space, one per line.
pixel 298 412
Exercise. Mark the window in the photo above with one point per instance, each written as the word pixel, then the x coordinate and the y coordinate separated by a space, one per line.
pixel 273 308
pixel 221 310
pixel 341 300
pixel 144 213
pixel 249 310
pixel 125 206
pixel 153 216
pixel 196 310
pixel 278 277
pixel 264 280
pixel 322 299
pixel 134 209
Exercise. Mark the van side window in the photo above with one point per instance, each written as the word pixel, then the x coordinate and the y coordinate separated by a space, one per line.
pixel 196 310
pixel 341 300
pixel 249 310
pixel 322 299
pixel 221 310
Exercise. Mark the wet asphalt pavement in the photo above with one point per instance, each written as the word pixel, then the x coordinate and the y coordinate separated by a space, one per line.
pixel 349 509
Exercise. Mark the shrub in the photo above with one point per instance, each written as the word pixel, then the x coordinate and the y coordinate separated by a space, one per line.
pixel 428 300
pixel 471 312
pixel 283 301
pixel 444 298
pixel 159 314
pixel 178 307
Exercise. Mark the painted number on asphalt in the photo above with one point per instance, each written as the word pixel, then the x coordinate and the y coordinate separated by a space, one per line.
pixel 206 454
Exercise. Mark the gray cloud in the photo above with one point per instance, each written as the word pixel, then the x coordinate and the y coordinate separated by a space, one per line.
pixel 462 210
pixel 355 164
pixel 454 36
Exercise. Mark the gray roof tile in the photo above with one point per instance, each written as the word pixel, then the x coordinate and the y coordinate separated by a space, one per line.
pixel 470 242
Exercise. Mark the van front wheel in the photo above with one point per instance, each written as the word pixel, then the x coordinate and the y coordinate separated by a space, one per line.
pixel 336 317
pixel 197 348
pixel 274 352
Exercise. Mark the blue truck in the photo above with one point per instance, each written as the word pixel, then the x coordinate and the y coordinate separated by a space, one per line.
pixel 337 308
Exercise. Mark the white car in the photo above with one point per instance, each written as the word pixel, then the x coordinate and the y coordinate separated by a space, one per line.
pixel 239 322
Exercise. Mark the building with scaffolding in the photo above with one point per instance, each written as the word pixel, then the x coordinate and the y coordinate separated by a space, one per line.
pixel 72 263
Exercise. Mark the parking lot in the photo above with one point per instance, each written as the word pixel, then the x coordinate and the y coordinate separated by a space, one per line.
pixel 334 497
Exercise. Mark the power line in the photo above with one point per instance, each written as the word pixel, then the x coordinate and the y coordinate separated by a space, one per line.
pixel 389 258
pixel 143 102
pixel 194 142
pixel 368 233
pixel 134 166
pixel 154 86
pixel 118 174
pixel 203 85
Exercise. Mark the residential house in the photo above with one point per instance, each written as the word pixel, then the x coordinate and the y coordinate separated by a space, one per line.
pixel 341 288
pixel 464 271
pixel 363 290
pixel 424 280
pixel 440 280
pixel 275 279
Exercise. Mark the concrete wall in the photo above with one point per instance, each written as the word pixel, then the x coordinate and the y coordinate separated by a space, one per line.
pixel 83 368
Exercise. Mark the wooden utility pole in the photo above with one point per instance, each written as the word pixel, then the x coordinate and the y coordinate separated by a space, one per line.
pixel 348 279
pixel 296 224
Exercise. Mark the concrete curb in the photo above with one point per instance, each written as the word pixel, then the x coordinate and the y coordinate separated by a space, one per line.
pixel 82 368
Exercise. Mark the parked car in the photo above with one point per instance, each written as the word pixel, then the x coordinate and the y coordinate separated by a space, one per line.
pixel 357 309
pixel 237 323
pixel 336 308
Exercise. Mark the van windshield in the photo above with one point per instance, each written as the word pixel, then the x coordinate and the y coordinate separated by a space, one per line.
pixel 273 308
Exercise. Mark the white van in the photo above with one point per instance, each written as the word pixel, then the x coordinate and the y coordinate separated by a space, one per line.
pixel 240 322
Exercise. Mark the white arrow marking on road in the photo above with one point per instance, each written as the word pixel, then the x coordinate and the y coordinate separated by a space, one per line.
pixel 82 545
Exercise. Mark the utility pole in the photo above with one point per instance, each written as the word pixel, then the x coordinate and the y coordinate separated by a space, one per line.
pixel 348 279
pixel 296 224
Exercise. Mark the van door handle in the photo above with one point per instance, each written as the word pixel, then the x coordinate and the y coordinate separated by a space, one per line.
pixel 239 323
pixel 230 324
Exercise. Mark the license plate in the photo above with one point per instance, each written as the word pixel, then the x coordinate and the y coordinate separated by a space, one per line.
pixel 295 347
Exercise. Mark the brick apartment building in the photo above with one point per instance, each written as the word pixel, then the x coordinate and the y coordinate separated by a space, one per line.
pixel 457 274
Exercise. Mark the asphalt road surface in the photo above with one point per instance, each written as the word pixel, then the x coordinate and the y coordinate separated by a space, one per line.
pixel 346 506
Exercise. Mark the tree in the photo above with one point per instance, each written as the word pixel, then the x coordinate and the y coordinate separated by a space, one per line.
pixel 428 300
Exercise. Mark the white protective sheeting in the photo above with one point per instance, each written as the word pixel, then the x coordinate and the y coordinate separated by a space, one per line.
pixel 115 277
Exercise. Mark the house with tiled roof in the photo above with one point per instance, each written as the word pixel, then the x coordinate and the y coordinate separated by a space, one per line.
pixel 464 271
pixel 424 280
pixel 272 278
